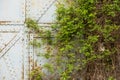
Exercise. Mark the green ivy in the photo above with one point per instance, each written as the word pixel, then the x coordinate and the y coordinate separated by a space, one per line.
pixel 85 31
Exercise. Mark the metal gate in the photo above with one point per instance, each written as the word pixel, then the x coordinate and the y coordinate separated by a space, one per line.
pixel 17 58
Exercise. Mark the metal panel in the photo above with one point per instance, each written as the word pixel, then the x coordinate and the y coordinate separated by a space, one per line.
pixel 41 10
pixel 11 52
pixel 17 58
pixel 12 11
pixel 49 15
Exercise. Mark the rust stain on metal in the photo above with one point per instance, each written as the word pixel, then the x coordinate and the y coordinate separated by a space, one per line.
pixel 22 71
pixel 4 78
pixel 4 22
pixel 9 31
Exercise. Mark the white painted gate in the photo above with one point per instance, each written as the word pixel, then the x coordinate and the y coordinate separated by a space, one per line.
pixel 17 58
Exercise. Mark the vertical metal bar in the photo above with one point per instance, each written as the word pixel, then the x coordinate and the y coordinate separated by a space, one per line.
pixel 29 60
pixel 31 57
pixel 26 55
pixel 23 55
pixel 25 10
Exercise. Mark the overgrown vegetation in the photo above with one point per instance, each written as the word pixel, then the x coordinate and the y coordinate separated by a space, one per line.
pixel 87 40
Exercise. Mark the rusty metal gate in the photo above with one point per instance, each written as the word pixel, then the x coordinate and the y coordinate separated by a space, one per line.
pixel 17 57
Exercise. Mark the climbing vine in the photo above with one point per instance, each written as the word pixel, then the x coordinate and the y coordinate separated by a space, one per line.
pixel 87 36
pixel 86 40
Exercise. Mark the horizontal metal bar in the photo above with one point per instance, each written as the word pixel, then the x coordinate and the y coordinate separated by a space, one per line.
pixel 46 23
pixel 17 24
pixel 4 22
pixel 44 37
pixel 17 31
pixel 12 22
